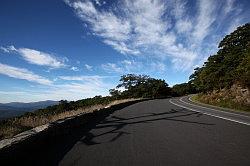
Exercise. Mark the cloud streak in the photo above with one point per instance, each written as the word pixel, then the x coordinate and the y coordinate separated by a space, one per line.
pixel 206 17
pixel 24 74
pixel 144 27
pixel 36 57
pixel 132 66
pixel 88 67
pixel 112 67
pixel 90 79
pixel 72 87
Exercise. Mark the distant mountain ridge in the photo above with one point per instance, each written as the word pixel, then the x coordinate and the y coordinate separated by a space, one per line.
pixel 18 108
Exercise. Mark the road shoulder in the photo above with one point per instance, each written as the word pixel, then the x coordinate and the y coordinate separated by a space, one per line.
pixel 217 107
pixel 229 116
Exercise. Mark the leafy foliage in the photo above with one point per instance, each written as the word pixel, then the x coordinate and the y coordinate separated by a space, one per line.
pixel 183 89
pixel 230 65
pixel 141 86
pixel 64 105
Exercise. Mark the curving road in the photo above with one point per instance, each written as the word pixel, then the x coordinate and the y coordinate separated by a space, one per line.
pixel 165 132
pixel 226 114
pixel 173 132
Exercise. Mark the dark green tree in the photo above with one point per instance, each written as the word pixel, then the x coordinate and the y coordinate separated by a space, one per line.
pixel 142 86
pixel 115 93
pixel 183 89
pixel 229 66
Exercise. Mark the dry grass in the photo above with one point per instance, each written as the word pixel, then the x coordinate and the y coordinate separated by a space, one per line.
pixel 72 113
pixel 17 125
pixel 8 131
pixel 235 98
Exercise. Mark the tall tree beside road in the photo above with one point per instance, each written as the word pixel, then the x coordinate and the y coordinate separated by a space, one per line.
pixel 231 64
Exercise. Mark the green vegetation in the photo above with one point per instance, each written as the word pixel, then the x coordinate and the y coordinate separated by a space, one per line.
pixel 65 106
pixel 224 80
pixel 141 86
pixel 231 64
pixel 183 89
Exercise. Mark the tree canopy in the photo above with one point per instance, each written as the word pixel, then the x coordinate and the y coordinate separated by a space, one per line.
pixel 231 64
pixel 183 89
pixel 141 86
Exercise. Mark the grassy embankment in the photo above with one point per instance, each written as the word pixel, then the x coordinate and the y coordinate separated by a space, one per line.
pixel 220 100
pixel 16 125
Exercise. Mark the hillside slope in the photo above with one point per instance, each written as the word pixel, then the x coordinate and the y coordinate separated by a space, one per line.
pixel 8 110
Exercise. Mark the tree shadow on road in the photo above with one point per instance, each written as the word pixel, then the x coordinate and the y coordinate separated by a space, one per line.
pixel 51 148
pixel 118 123
pixel 48 148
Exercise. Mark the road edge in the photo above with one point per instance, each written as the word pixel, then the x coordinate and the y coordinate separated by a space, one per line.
pixel 240 112
pixel 209 114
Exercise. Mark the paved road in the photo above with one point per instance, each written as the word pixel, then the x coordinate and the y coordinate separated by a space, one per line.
pixel 155 132
pixel 163 132
pixel 238 117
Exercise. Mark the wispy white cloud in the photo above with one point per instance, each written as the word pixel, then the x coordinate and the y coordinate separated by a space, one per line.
pixel 91 79
pixel 11 92
pixel 124 66
pixel 104 24
pixel 69 91
pixel 121 47
pixel 234 25
pixel 111 68
pixel 145 27
pixel 100 2
pixel 133 66
pixel 85 86
pixel 74 68
pixel 142 29
pixel 158 66
pixel 83 89
pixel 183 26
pixel 81 86
pixel 117 30
pixel 183 23
pixel 21 73
pixel 178 8
pixel 37 57
pixel 88 67
pixel 8 49
pixel 229 6
pixel 206 17
pixel 67 87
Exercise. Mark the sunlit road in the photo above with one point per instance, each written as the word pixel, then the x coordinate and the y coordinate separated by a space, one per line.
pixel 158 132
pixel 155 132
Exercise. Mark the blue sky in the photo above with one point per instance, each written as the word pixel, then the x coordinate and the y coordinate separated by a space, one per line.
pixel 76 49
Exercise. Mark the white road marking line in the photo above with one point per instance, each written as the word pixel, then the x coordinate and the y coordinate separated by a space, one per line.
pixel 229 119
pixel 213 109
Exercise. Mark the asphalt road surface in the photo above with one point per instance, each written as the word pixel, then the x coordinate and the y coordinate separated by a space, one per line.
pixel 164 132
pixel 172 132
